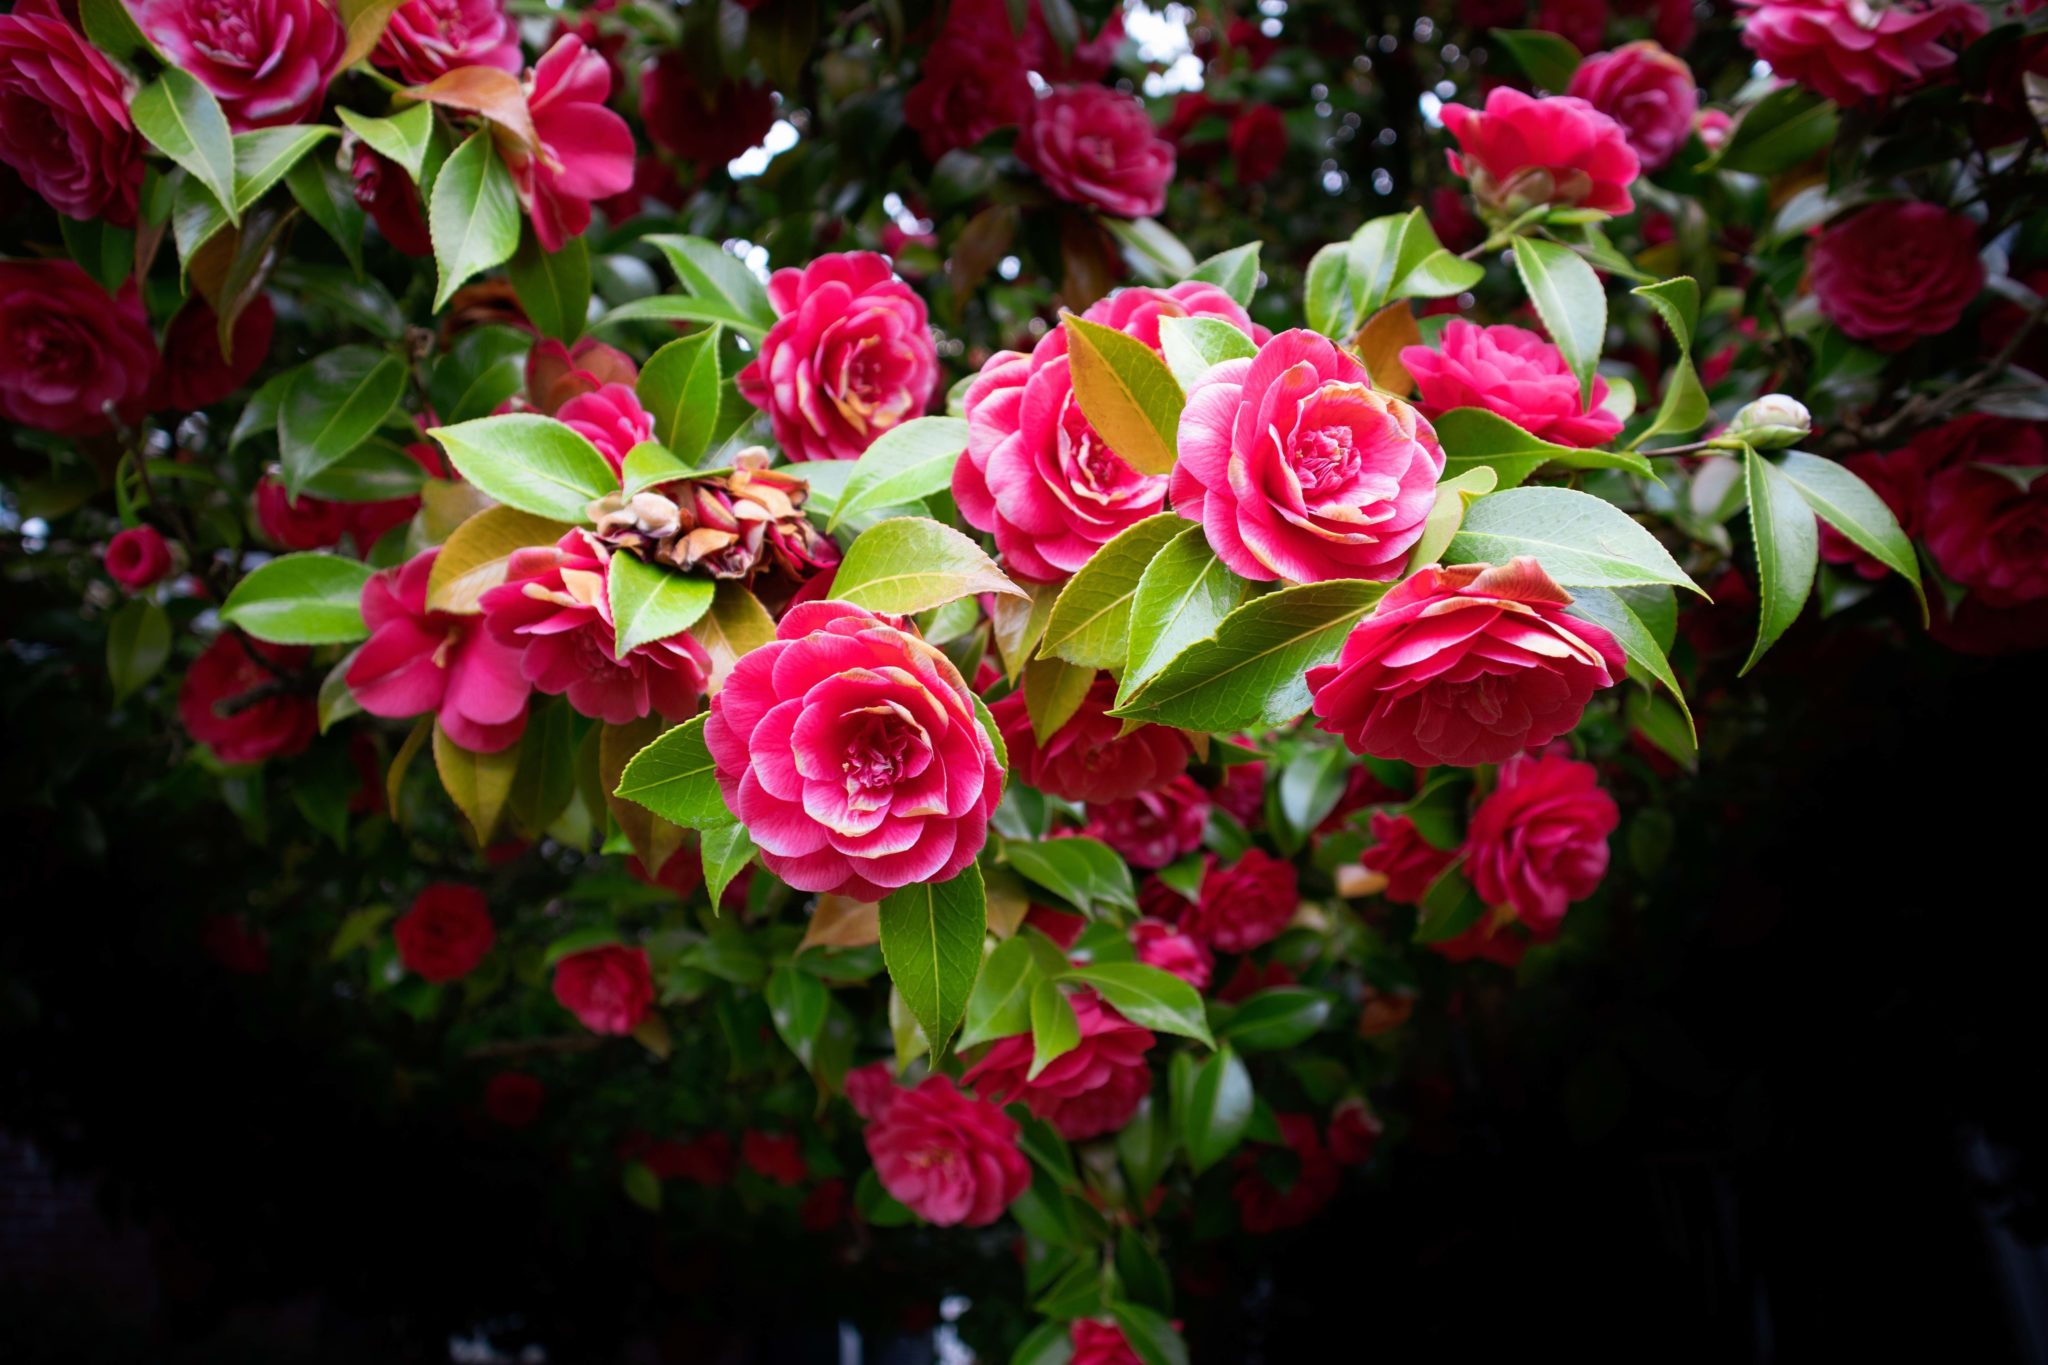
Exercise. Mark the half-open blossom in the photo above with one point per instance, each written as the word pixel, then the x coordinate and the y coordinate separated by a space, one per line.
pixel 948 1157
pixel 417 661
pixel 554 608
pixel 1538 841
pixel 64 124
pixel 610 418
pixel 850 356
pixel 427 38
pixel 137 557
pixel 1521 151
pixel 609 989
pixel 1096 146
pixel 446 932
pixel 1464 665
pixel 1897 271
pixel 1645 89
pixel 384 191
pixel 557 374
pixel 1084 760
pixel 1857 51
pixel 586 150
pixel 1091 1090
pixel 1296 468
pixel 1513 373
pixel 266 61
pixel 851 750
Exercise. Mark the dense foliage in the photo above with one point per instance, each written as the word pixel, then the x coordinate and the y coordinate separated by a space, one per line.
pixel 918 618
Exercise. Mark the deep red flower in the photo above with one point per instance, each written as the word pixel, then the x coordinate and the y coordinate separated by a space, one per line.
pixel 586 150
pixel 1153 828
pixel 1270 1199
pixel 1172 949
pixel 1092 145
pixel 1407 860
pixel 137 557
pixel 774 1156
pixel 1897 271
pixel 1258 143
pixel 514 1098
pixel 1645 89
pixel 64 124
pixel 1538 841
pixel 709 126
pixel 1092 1090
pixel 215 703
pixel 1521 151
pixel 385 192
pixel 427 38
pixel 1245 904
pixel 610 989
pixel 266 61
pixel 71 355
pixel 195 374
pixel 445 933
pixel 1084 760
pixel 1354 1132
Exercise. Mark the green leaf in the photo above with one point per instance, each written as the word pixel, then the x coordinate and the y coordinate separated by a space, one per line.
pixel 103 251
pixel 546 776
pixel 1849 505
pixel 485 366
pixel 1182 598
pixel 1018 624
pixel 1085 873
pixel 1425 270
pixel 907 565
pixel 1275 1020
pixel 1213 1104
pixel 1193 346
pixel 712 273
pixel 328 198
pixel 679 387
pixel 404 137
pixel 1250 674
pixel 1155 1339
pixel 1090 624
pixel 1055 1031
pixel 1787 549
pixel 1684 407
pixel 1148 996
pixel 1000 1005
pixel 1449 907
pixel 1126 393
pixel 1053 691
pixel 305 599
pixel 358 929
pixel 670 308
pixel 1580 540
pixel 530 462
pixel 1667 726
pixel 674 778
pixel 477 555
pixel 650 602
pixel 1326 294
pixel 1155 255
pixel 1235 272
pixel 1545 58
pixel 1476 438
pixel 333 405
pixel 1570 300
pixel 1453 497
pixel 798 1003
pixel 553 286
pixel 649 464
pixel 474 217
pixel 1779 131
pixel 726 849
pixel 931 942
pixel 182 120
pixel 375 471
pixel 904 464
pixel 112 29
pixel 138 645
pixel 1609 609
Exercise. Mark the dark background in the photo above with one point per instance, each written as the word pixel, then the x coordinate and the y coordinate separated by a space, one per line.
pixel 1792 1114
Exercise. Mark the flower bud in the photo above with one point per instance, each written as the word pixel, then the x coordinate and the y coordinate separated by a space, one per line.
pixel 1772 422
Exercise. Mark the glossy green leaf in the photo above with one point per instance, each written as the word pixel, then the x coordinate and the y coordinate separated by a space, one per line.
pixel 1147 996
pixel 1570 300
pixel 672 308
pixel 553 286
pixel 1195 345
pixel 1275 1020
pixel 1787 549
pixel 138 645
pixel 931 941
pixel 327 196
pixel 905 463
pixel 1608 608
pixel 183 120
pixel 1580 540
pixel 1545 58
pixel 680 388
pixel 303 599
pixel 112 29
pixel 675 778
pixel 1150 1334
pixel 530 462
pixel 1181 599
pixel 1784 128
pixel 712 273
pixel 1850 505
pixel 1447 514
pixel 912 564
pixel 474 215
pixel 1090 623
pixel 404 137
pixel 798 1003
pixel 1213 1103
pixel 1000 1005
pixel 473 377
pixel 1235 272
pixel 726 850
pixel 1055 1031
pixel 1085 873
pixel 650 602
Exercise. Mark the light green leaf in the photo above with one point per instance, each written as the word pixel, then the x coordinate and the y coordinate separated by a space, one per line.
pixel 1787 549
pixel 1326 295
pixel 112 29
pixel 305 599
pixel 1055 1031
pixel 1156 1340
pixel 1155 255
pixel 263 157
pixel 1475 437
pixel 1090 624
pixel 404 137
pixel 726 849
pixel 670 308
pixel 1235 272
pixel 1148 996
pixel 714 274
pixel 375 471
pixel 182 120
pixel 931 944
pixel 651 603
pixel 1182 598
pixel 1213 1104
pixel 474 216
pixel 907 565
pixel 1126 393
pixel 1609 609
pixel 1193 346
pixel 675 778
pixel 530 462
pixel 1570 300
pixel 553 286
pixel 904 464
pixel 1849 505
pixel 1684 407
pixel 1453 496
pixel 1085 873
pixel 1053 691
pixel 479 784
pixel 138 645
pixel 1580 540
pixel 648 464
pixel 679 387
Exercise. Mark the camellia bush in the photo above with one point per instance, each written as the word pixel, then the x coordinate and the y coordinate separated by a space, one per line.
pixel 951 620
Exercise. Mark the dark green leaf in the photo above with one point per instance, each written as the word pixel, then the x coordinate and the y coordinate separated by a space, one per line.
pixel 1212 1105
pixel 931 941
pixel 138 644
pixel 485 366
pixel 1085 873
pixel 679 387
pixel 337 400
pixel 1545 58
pixel 1787 549
pixel 1275 1020
pixel 553 286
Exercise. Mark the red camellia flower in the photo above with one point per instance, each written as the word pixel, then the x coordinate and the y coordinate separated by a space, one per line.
pixel 64 124
pixel 266 61
pixel 1297 469
pixel 195 374
pixel 707 125
pixel 1647 91
pixel 609 989
pixel 417 660
pixel 301 523
pixel 1989 531
pixel 1092 145
pixel 1853 51
pixel 1084 760
pixel 446 933
pixel 138 557
pixel 610 418
pixel 1258 143
pixel 1155 827
pixel 1165 946
pixel 69 352
pixel 1244 905
pixel 1464 665
pixel 1522 151
pixel 850 356
pixel 1897 271
pixel 1242 792
pixel 706 1160
pixel 774 1156
pixel 973 81
pixel 1085 1093
pixel 514 1098
pixel 586 150
pixel 385 192
pixel 426 38
pixel 1266 1204
pixel 1099 1342
pixel 1036 474
pixel 1408 861
pixel 1582 23
pixel 555 608
pixel 1354 1132
pixel 1538 841
pixel 232 701
pixel 948 1157
pixel 1511 372
pixel 850 749
pixel 871 1088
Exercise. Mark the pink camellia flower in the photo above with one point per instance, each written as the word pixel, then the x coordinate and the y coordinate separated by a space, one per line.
pixel 446 933
pixel 1297 469
pixel 1354 1131
pixel 554 607
pixel 266 61
pixel 1647 91
pixel 385 192
pixel 1464 665
pixel 1985 530
pixel 1099 1342
pixel 1085 1093
pixel 417 661
pixel 1036 474
pixel 1084 760
pixel 871 1088
pixel 427 38
pixel 850 749
pixel 948 1157
pixel 611 419
pixel 137 557
pixel 850 356
pixel 609 989
pixel 1513 373
pixel 1170 949
pixel 555 373
pixel 1538 841
pixel 1242 792
pixel 1522 151
pixel 301 523
pixel 1900 478
pixel 1896 271
pixel 586 150
pixel 230 700
pixel 1244 905
pixel 1855 51
pixel 64 124
pixel 973 81
pixel 1092 145
pixel 1265 1206
pixel 71 355
pixel 1154 827
pixel 1408 861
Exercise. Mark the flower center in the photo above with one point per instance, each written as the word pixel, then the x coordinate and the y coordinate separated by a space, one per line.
pixel 879 748
pixel 224 33
pixel 1325 458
